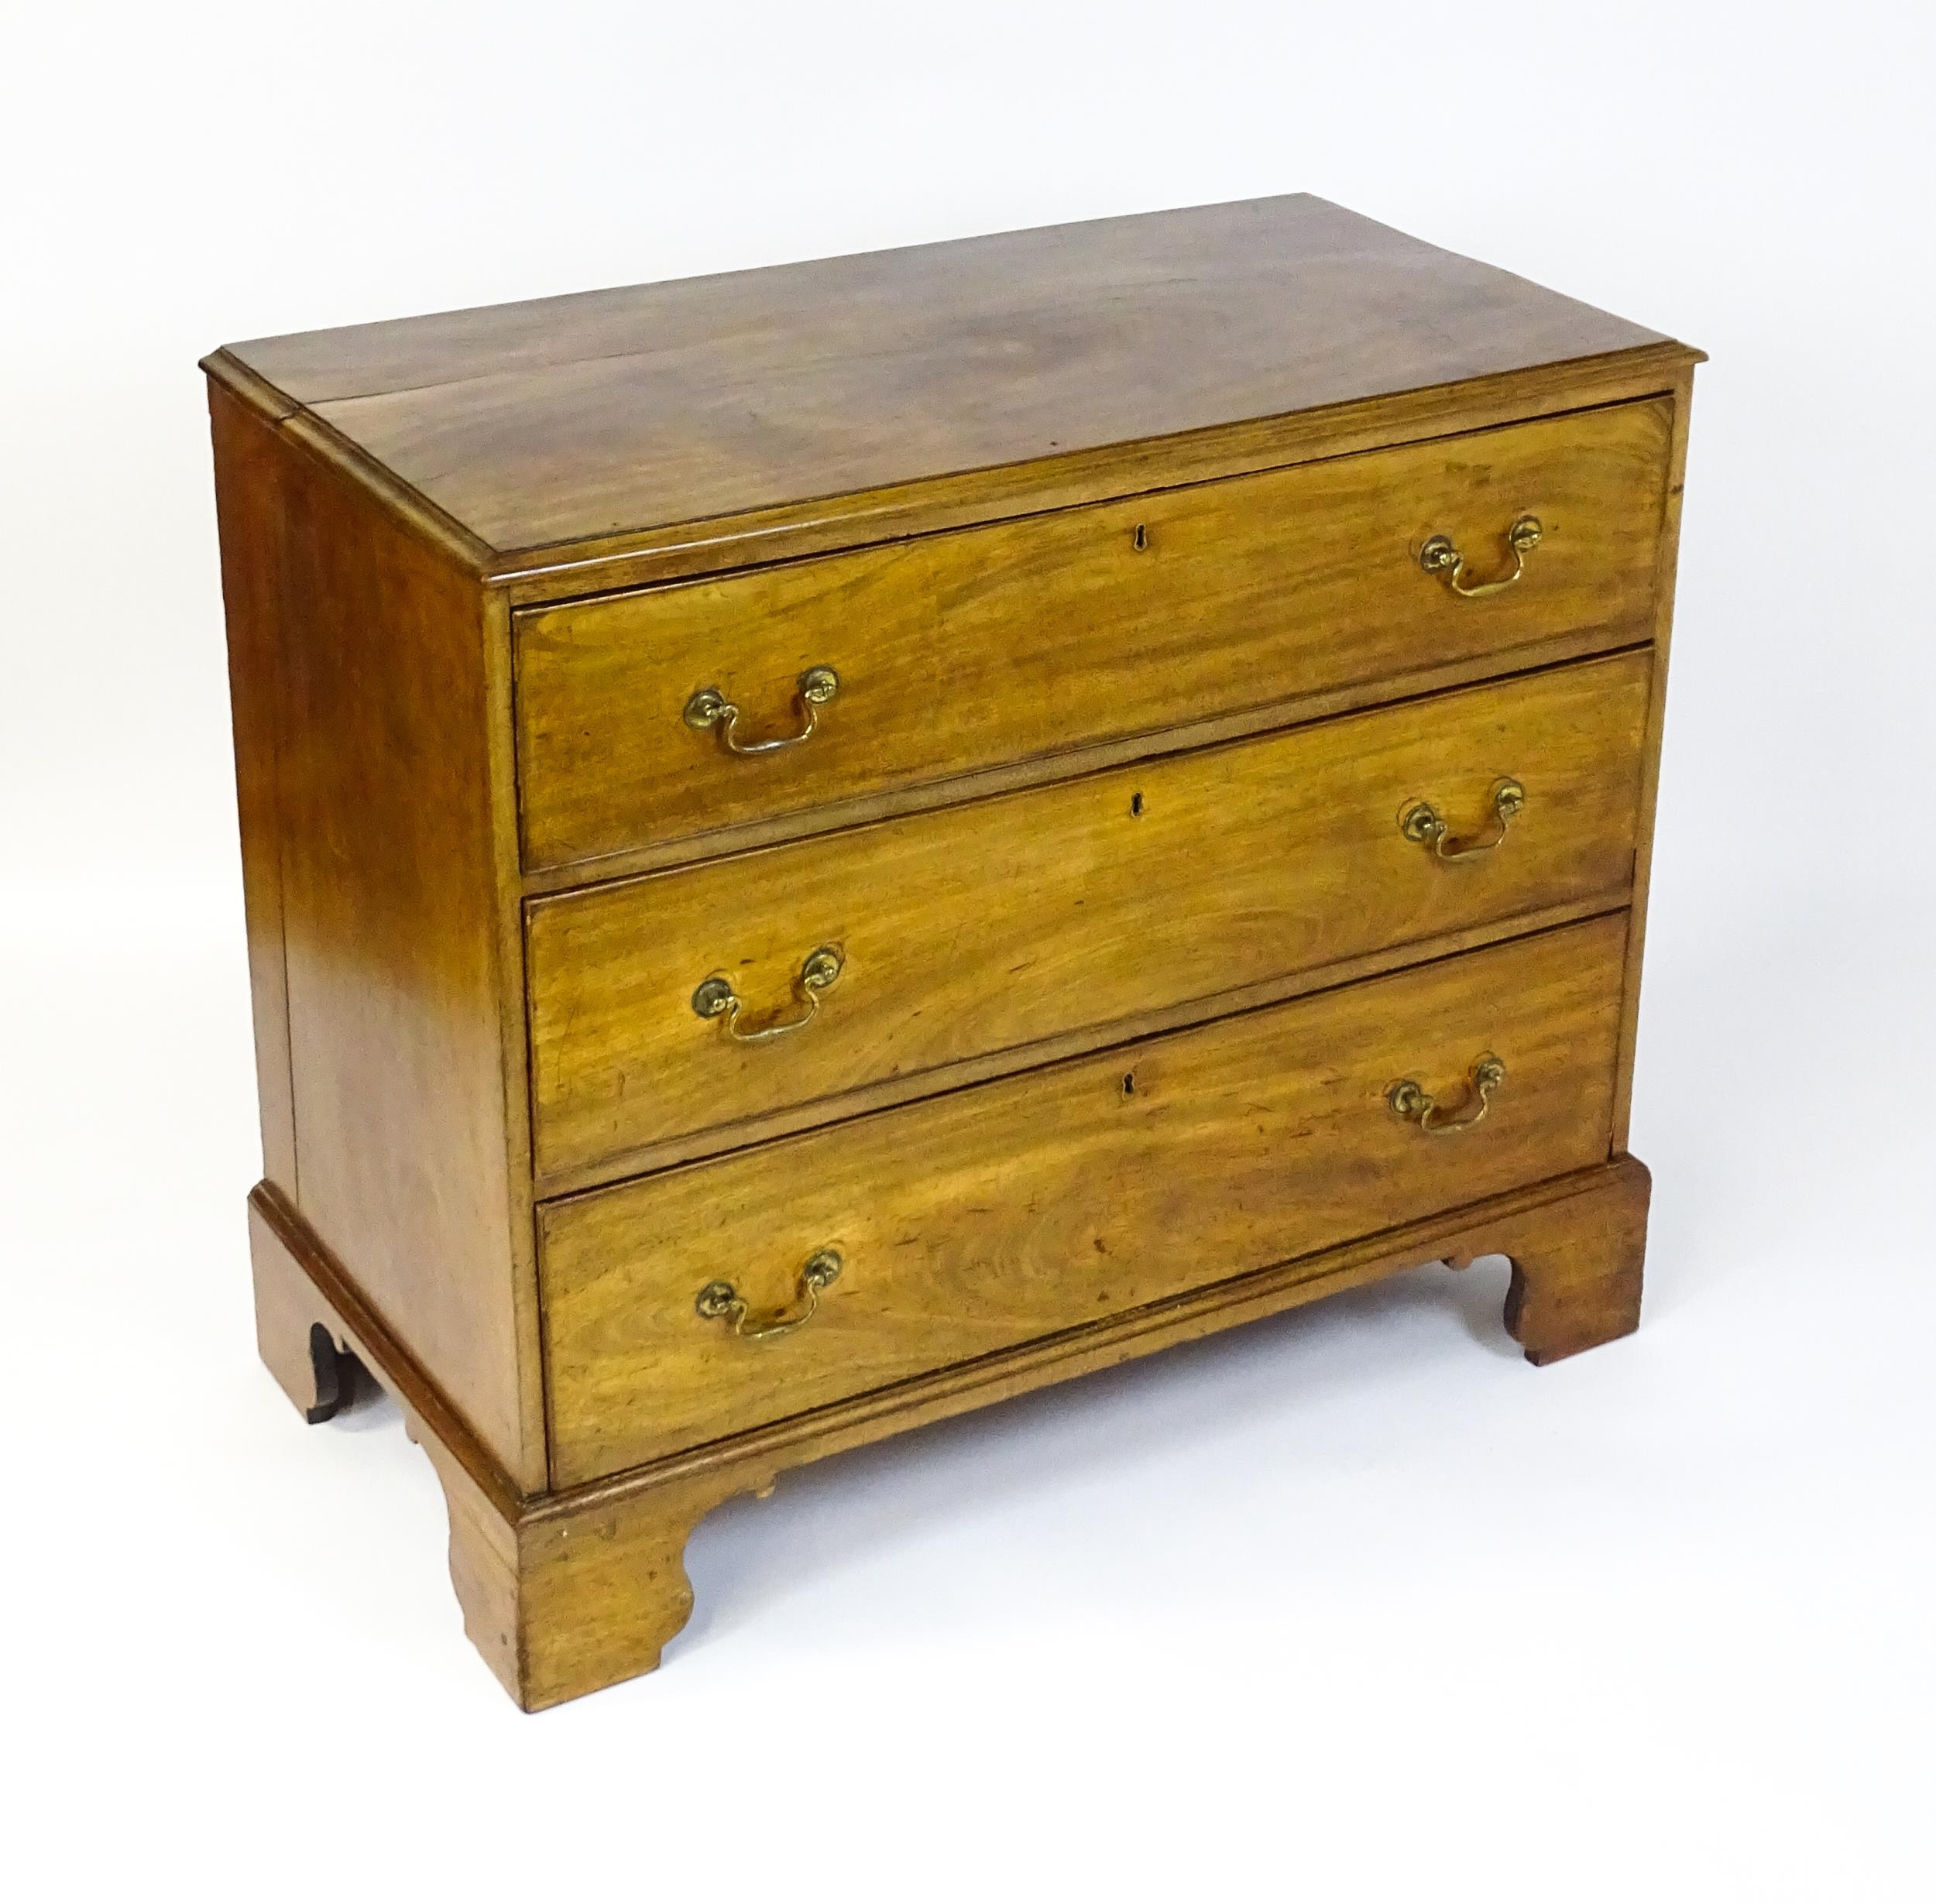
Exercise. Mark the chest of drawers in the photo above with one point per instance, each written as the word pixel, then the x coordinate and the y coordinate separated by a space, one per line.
pixel 825 846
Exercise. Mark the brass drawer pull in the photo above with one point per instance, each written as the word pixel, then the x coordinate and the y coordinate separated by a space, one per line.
pixel 1421 821
pixel 1412 1101
pixel 719 1301
pixel 710 709
pixel 1441 557
pixel 715 997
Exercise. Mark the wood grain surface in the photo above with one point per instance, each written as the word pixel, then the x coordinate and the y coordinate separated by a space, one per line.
pixel 602 1584
pixel 606 411
pixel 569 1592
pixel 1667 559
pixel 251 471
pixel 1111 532
pixel 408 1158
pixel 983 929
pixel 956 653
pixel 981 1219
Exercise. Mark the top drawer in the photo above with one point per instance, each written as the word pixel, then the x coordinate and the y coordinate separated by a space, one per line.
pixel 962 651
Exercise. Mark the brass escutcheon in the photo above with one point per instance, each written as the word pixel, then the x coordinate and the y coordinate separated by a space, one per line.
pixel 710 710
pixel 719 1301
pixel 1441 557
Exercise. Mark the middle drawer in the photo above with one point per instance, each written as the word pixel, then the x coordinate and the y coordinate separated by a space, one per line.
pixel 684 1002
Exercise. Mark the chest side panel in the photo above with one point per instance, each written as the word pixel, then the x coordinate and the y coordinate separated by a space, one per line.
pixel 405 1168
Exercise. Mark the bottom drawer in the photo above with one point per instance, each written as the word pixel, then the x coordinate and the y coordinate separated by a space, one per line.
pixel 992 1217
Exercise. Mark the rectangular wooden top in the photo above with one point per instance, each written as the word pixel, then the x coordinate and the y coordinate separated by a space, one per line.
pixel 568 420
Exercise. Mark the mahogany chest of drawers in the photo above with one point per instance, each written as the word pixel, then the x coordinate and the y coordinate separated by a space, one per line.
pixel 827 845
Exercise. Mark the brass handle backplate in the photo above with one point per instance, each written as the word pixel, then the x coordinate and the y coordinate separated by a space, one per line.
pixel 719 1301
pixel 1412 1102
pixel 1441 556
pixel 1422 821
pixel 710 710
pixel 715 997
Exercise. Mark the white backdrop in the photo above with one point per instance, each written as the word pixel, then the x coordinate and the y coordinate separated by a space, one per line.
pixel 1353 1604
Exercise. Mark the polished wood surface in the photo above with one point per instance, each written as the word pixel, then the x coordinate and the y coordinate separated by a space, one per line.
pixel 1667 556
pixel 983 1218
pixel 1113 534
pixel 1048 769
pixel 564 1595
pixel 579 416
pixel 967 498
pixel 987 928
pixel 955 653
pixel 250 472
pixel 369 719
pixel 614 1588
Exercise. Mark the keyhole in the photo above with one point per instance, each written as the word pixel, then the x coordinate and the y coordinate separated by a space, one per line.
pixel 1129 1084
pixel 1136 806
pixel 1140 539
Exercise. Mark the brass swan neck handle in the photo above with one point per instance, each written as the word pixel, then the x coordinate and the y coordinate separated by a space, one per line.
pixel 1410 1100
pixel 715 997
pixel 719 1301
pixel 1422 821
pixel 709 710
pixel 1441 556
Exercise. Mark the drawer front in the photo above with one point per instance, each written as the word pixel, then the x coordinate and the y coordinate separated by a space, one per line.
pixel 955 653
pixel 983 929
pixel 988 1218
